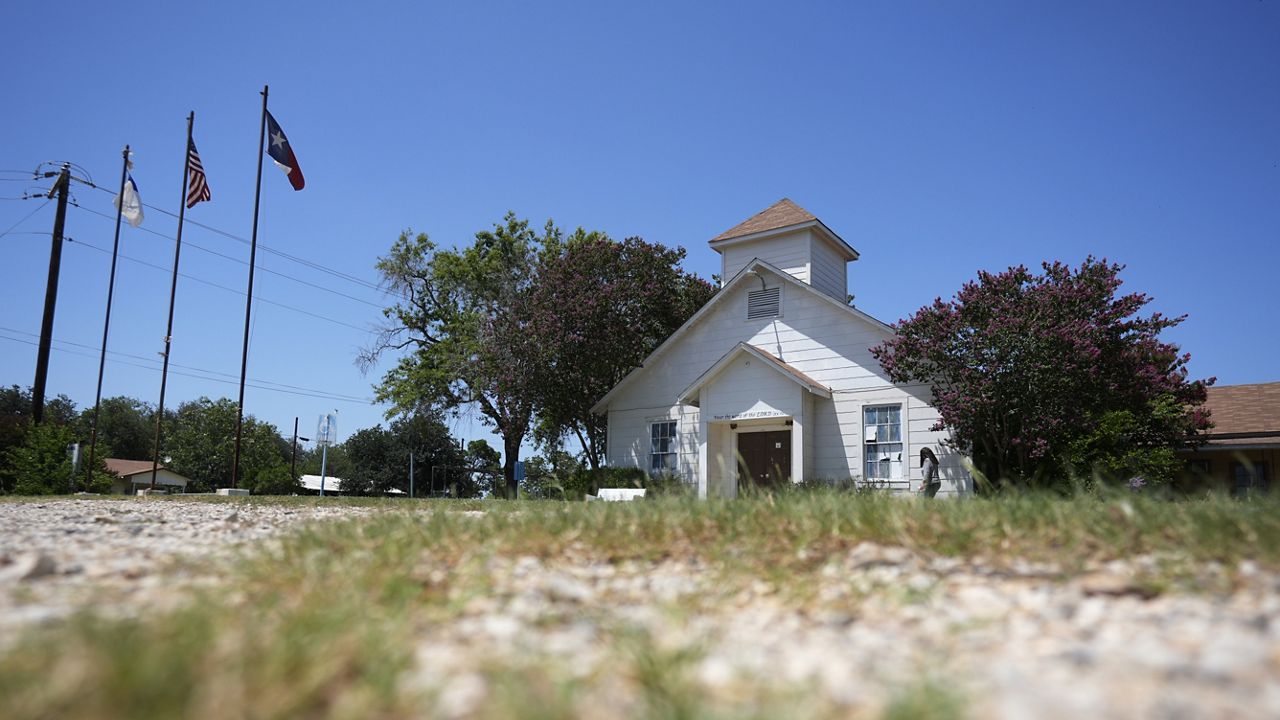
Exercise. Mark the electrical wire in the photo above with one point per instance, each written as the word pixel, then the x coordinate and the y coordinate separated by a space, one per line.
pixel 202 281
pixel 318 394
pixel 267 248
pixel 26 217
pixel 172 364
pixel 188 243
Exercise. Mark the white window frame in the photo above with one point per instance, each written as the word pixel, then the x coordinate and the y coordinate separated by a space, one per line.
pixel 664 459
pixel 882 453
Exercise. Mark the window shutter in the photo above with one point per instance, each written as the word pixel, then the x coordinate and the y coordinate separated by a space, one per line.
pixel 763 303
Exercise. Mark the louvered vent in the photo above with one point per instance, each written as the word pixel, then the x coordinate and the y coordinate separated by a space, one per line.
pixel 763 303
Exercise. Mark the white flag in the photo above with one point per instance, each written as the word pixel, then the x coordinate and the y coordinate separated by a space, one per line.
pixel 132 210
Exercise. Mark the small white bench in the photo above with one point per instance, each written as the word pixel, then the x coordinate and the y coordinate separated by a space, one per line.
pixel 617 494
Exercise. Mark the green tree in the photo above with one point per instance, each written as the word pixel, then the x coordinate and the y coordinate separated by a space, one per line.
pixel 464 347
pixel 485 465
pixel 427 437
pixel 202 444
pixel 336 464
pixel 15 418
pixel 596 310
pixel 556 476
pixel 373 468
pixel 15 421
pixel 379 457
pixel 1044 376
pixel 274 481
pixel 41 465
pixel 60 410
pixel 125 424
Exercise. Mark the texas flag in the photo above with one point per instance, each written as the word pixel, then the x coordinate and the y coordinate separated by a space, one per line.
pixel 282 153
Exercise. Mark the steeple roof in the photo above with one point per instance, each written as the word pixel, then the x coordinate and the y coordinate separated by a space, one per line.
pixel 778 215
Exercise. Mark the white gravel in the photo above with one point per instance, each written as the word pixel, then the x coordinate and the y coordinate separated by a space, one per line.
pixel 62 555
pixel 1011 641
pixel 1008 642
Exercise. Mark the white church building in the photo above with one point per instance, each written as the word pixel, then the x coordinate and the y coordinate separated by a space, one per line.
pixel 773 380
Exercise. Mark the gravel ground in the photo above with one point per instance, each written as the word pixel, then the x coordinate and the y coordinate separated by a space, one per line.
pixel 1011 641
pixel 1020 641
pixel 58 556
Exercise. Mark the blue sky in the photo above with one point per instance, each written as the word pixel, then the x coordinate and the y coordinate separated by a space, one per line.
pixel 937 138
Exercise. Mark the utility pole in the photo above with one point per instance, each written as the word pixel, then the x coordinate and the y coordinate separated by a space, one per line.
pixel 410 474
pixel 60 186
pixel 293 464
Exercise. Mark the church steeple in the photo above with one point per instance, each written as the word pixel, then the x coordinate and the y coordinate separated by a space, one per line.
pixel 792 239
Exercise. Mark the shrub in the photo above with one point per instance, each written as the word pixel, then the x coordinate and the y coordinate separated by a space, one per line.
pixel 1039 377
pixel 41 466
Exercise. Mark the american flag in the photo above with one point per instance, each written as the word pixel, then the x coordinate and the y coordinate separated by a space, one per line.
pixel 197 187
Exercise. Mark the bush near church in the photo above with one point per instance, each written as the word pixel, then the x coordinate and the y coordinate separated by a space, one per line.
pixel 1048 378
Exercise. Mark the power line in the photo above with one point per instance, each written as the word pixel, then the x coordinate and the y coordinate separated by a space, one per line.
pixel 318 394
pixel 202 281
pixel 294 258
pixel 26 217
pixel 144 358
pixel 234 259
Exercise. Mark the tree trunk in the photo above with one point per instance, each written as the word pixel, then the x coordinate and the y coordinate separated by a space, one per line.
pixel 510 455
pixel 588 447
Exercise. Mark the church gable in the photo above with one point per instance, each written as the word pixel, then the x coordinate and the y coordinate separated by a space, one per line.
pixel 826 340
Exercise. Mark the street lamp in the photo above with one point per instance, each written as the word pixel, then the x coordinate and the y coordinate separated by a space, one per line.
pixel 293 464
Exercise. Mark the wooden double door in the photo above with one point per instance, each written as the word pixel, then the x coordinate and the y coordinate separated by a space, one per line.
pixel 764 459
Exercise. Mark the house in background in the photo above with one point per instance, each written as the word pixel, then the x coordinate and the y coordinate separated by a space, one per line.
pixel 332 486
pixel 1244 444
pixel 773 381
pixel 311 485
pixel 135 475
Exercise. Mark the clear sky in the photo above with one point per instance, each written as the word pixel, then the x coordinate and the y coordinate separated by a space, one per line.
pixel 937 138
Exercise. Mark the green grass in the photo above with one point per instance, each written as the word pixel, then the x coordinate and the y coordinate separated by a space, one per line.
pixel 324 623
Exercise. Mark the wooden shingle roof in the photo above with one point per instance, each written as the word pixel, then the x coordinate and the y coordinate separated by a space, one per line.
pixel 783 213
pixel 1244 409
pixel 125 468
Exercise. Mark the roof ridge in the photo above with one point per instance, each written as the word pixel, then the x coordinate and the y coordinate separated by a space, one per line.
pixel 781 214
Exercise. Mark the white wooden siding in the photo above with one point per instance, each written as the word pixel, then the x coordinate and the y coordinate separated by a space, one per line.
pixel 828 270
pixel 749 386
pixel 629 437
pixel 786 252
pixel 824 341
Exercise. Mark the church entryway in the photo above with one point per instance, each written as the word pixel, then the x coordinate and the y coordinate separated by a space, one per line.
pixel 764 459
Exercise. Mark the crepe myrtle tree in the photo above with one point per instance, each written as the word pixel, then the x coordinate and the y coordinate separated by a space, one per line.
pixel 1044 377
pixel 596 310
pixel 462 347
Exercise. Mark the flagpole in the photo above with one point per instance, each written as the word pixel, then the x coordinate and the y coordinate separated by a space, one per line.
pixel 173 291
pixel 248 304
pixel 106 324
